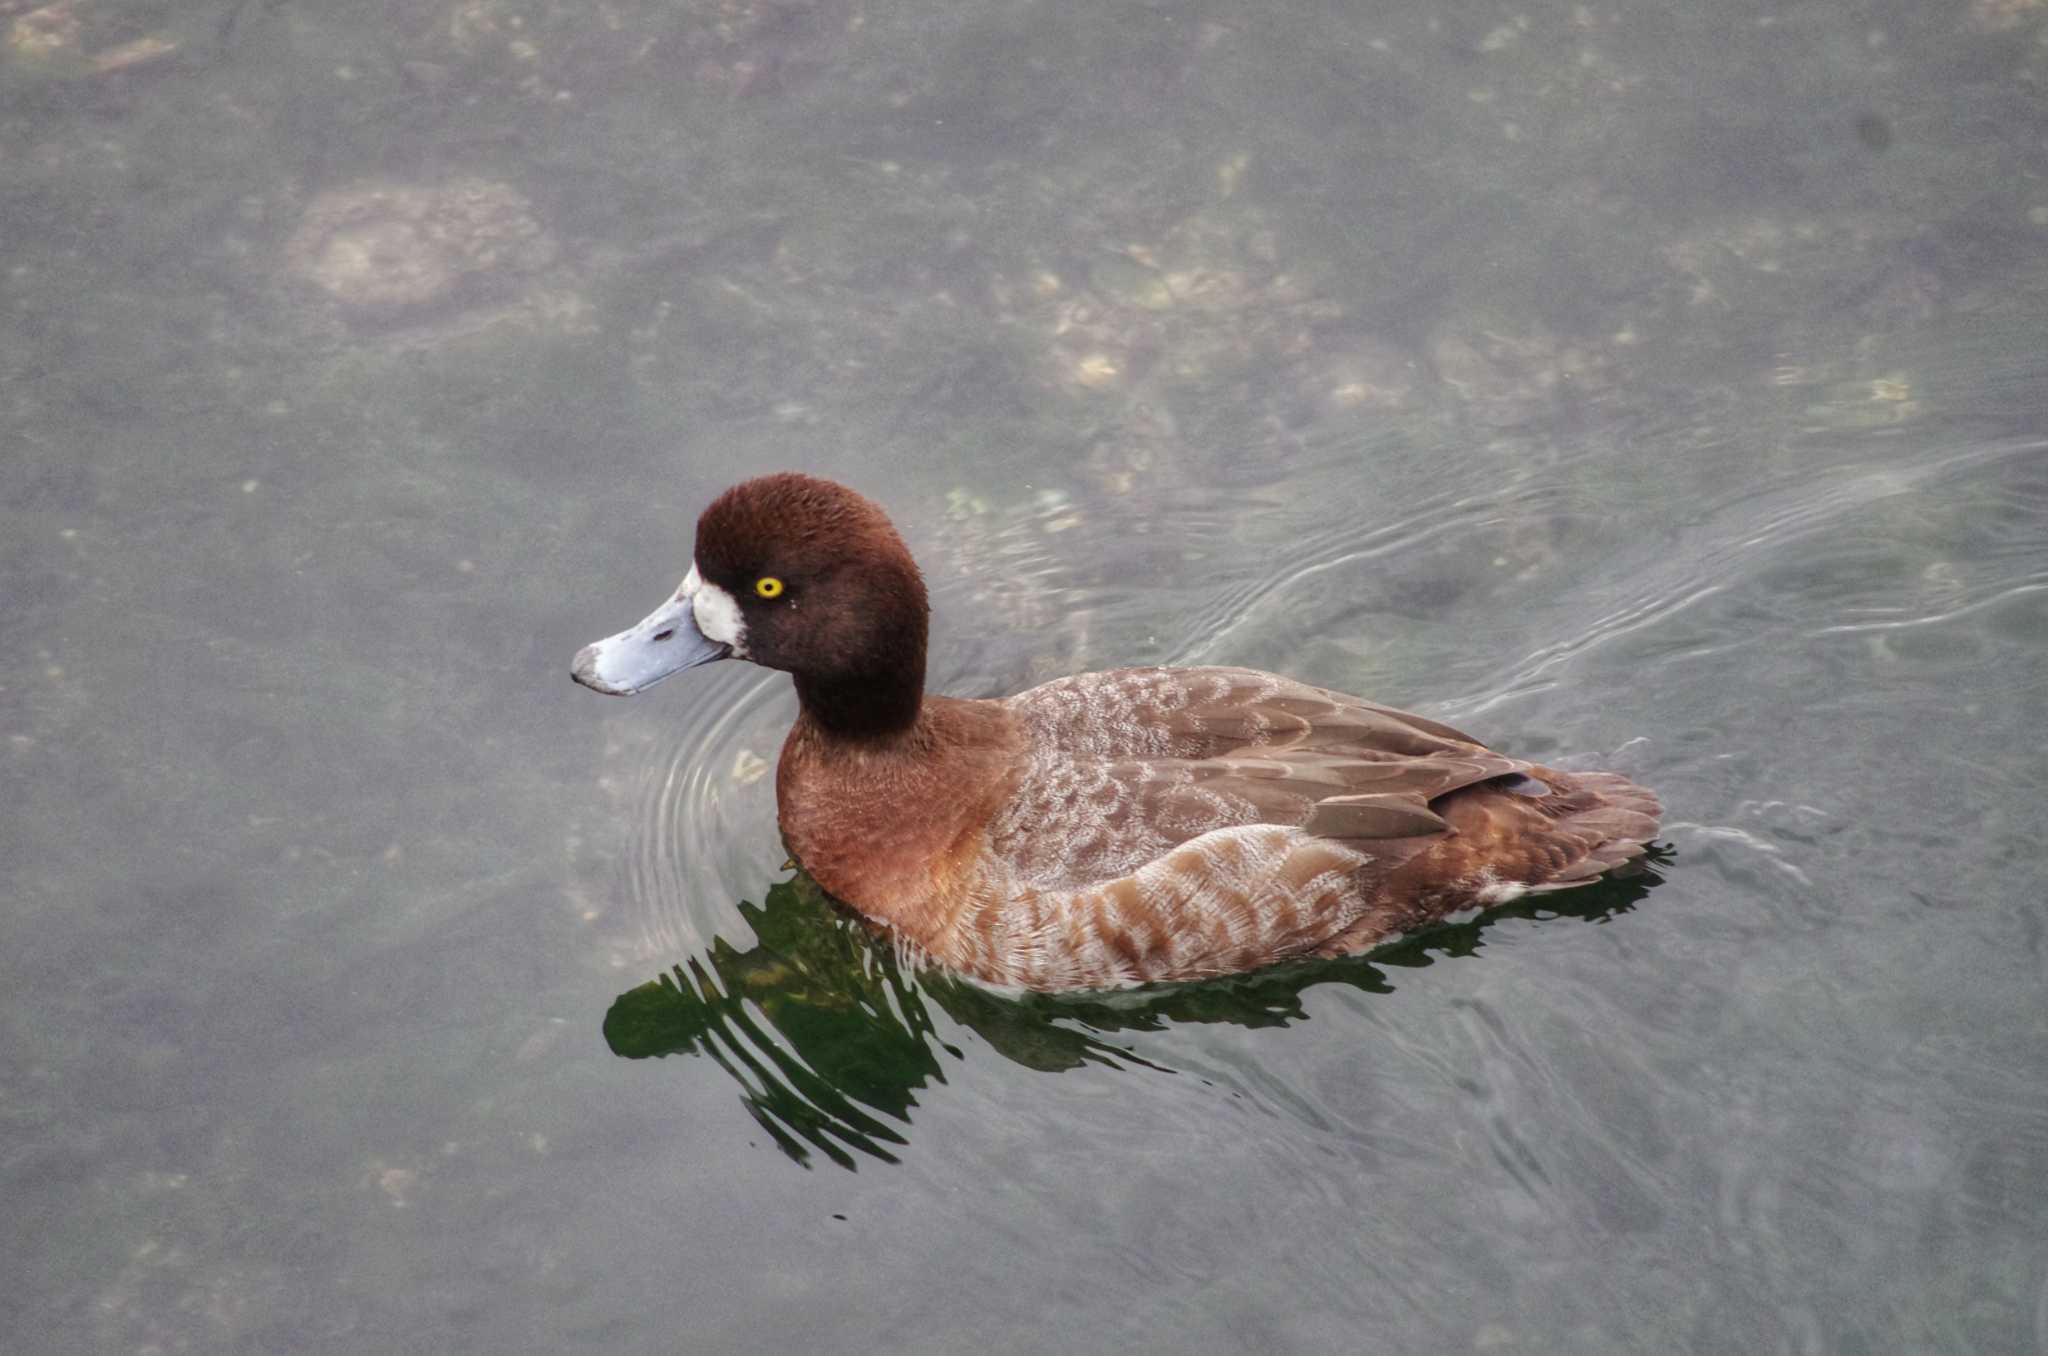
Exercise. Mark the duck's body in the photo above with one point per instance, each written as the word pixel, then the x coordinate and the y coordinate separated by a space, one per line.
pixel 1111 828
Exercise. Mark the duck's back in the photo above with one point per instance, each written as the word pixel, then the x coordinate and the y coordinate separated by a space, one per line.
pixel 1124 765
pixel 1176 823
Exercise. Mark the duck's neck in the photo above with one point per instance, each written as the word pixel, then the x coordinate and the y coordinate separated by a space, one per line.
pixel 862 706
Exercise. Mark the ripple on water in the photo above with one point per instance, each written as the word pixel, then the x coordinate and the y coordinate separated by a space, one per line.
pixel 691 774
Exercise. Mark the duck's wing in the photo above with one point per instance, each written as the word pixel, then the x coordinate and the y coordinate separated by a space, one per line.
pixel 1230 709
pixel 1348 793
pixel 1207 712
pixel 1153 758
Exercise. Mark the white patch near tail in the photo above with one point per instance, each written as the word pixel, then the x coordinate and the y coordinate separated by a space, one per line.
pixel 1491 889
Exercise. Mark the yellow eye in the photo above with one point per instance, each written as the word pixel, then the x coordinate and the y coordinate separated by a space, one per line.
pixel 768 586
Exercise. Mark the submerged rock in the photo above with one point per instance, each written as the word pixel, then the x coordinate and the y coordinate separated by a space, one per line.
pixel 382 253
pixel 41 34
pixel 56 41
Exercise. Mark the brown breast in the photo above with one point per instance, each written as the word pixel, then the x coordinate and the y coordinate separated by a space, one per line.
pixel 888 825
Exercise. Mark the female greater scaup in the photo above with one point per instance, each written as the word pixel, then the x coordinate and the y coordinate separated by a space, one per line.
pixel 1110 828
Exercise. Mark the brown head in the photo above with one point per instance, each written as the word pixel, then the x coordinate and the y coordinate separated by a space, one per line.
pixel 794 573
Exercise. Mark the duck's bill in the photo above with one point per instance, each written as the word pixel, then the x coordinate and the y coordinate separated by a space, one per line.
pixel 666 641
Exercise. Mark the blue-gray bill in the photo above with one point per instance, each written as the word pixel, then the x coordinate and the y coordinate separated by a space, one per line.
pixel 665 642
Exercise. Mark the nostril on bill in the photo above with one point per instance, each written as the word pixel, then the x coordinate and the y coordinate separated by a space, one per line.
pixel 665 635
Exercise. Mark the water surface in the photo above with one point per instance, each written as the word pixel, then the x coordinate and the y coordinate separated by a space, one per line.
pixel 1660 383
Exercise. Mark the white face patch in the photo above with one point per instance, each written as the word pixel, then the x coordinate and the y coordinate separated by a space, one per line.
pixel 717 612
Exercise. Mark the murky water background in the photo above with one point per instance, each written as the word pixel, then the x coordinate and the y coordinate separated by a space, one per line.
pixel 1657 380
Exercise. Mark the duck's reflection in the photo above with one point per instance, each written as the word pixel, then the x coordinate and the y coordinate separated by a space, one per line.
pixel 830 1040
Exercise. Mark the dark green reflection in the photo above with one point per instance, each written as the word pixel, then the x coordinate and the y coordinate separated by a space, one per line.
pixel 830 1040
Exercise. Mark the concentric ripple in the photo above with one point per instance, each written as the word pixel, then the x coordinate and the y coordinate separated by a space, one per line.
pixel 702 804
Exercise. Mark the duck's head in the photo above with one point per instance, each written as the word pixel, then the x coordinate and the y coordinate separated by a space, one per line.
pixel 794 573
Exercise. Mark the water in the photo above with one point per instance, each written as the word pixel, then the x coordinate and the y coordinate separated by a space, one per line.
pixel 1662 383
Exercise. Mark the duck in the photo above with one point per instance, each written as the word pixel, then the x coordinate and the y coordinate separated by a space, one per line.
pixel 1104 830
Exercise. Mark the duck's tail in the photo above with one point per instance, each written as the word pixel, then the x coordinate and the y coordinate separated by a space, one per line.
pixel 1613 816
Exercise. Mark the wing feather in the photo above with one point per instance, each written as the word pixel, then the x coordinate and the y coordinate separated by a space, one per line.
pixel 1134 762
